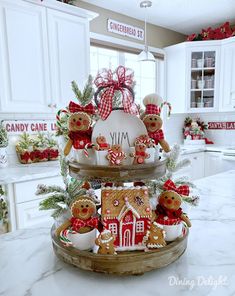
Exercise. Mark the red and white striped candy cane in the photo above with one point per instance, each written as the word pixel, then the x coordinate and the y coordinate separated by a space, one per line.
pixel 85 150
pixel 58 118
pixel 169 108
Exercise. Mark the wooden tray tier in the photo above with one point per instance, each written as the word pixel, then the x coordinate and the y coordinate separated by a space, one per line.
pixel 130 173
pixel 124 263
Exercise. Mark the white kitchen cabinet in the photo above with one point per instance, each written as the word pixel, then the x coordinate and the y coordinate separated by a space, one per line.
pixel 192 76
pixel 44 45
pixel 69 43
pixel 24 72
pixel 213 163
pixel 196 169
pixel 24 204
pixel 227 82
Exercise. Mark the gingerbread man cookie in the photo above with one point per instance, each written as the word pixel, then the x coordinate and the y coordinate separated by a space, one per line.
pixel 105 241
pixel 116 155
pixel 101 144
pixel 140 153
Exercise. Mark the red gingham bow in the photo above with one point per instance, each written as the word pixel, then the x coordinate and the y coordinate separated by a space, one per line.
pixel 78 223
pixel 112 81
pixel 170 185
pixel 73 108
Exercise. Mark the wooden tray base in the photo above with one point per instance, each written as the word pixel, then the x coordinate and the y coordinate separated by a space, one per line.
pixel 125 263
pixel 130 173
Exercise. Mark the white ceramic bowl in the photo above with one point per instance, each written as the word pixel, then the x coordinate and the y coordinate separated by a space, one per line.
pixel 173 231
pixel 83 241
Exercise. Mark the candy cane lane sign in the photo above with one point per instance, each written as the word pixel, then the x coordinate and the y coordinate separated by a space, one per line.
pixel 125 29
pixel 226 125
pixel 29 126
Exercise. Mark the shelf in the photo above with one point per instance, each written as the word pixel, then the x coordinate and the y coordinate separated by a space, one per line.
pixel 202 89
pixel 201 69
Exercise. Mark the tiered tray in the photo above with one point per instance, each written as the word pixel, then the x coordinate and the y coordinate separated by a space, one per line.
pixel 124 263
pixel 130 173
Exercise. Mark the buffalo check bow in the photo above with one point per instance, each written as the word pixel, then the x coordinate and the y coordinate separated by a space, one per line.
pixel 170 185
pixel 119 80
pixel 73 108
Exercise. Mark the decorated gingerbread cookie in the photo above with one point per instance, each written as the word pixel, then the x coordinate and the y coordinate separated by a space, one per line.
pixel 155 237
pixel 79 125
pixel 116 155
pixel 140 153
pixel 105 241
pixel 153 121
pixel 101 144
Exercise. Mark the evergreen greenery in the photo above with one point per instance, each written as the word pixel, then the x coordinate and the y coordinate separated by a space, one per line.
pixel 173 165
pixel 3 136
pixel 84 97
pixel 59 198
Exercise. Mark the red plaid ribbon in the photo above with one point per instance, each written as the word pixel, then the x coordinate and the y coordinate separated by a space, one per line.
pixel 78 223
pixel 168 221
pixel 113 81
pixel 152 109
pixel 170 185
pixel 157 136
pixel 73 108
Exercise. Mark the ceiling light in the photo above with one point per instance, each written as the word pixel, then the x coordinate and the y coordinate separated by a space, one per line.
pixel 145 54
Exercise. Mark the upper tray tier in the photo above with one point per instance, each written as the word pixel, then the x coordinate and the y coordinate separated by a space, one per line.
pixel 127 173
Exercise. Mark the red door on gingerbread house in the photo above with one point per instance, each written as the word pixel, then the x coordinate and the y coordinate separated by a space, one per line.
pixel 127 230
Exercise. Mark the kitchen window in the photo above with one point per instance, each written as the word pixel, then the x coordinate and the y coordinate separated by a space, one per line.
pixel 145 73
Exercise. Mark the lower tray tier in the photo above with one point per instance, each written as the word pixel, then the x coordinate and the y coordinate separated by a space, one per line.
pixel 124 263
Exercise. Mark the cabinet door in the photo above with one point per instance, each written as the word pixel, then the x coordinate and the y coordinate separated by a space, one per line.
pixel 69 54
pixel 24 73
pixel 198 165
pixel 213 164
pixel 203 78
pixel 227 96
pixel 28 215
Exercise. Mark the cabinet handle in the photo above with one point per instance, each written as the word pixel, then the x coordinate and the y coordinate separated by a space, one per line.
pixel 52 105
pixel 195 158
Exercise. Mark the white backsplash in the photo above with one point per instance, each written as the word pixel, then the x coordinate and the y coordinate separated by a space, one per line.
pixel 173 128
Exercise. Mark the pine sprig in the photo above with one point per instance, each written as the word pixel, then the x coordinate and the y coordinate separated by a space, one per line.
pixel 51 202
pixel 84 97
pixel 44 189
pixel 76 90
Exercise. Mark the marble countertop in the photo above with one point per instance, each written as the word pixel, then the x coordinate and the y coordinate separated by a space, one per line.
pixel 189 149
pixel 28 266
pixel 26 172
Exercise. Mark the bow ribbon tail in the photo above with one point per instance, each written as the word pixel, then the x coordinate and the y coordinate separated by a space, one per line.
pixel 106 100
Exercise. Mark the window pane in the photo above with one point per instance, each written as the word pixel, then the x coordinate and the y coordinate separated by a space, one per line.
pixel 144 72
